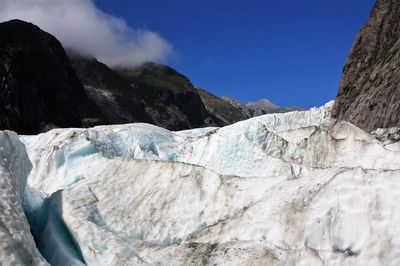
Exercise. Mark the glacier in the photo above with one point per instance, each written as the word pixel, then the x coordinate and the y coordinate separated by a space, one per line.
pixel 298 188
pixel 17 246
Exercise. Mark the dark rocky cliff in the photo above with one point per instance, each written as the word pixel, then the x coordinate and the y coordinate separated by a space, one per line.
pixel 38 87
pixel 369 93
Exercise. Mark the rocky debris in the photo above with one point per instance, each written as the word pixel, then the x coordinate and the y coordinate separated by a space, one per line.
pixel 369 93
pixel 387 135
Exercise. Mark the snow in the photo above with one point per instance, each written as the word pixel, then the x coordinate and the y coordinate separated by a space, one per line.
pixel 297 188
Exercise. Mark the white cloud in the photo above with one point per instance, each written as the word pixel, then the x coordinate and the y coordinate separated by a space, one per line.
pixel 80 25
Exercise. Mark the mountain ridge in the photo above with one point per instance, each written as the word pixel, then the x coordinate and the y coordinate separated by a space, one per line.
pixel 161 95
pixel 157 86
pixel 46 87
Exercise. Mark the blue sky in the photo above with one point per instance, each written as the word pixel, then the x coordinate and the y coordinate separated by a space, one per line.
pixel 291 52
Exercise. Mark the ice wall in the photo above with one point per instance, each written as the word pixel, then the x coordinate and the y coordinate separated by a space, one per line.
pixel 17 246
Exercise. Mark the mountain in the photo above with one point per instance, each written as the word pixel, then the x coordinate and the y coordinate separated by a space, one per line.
pixel 222 110
pixel 369 93
pixel 297 188
pixel 44 87
pixel 294 188
pixel 117 99
pixel 261 107
pixel 170 98
pixel 265 106
pixel 158 94
pixel 39 89
pixel 232 101
pixel 151 93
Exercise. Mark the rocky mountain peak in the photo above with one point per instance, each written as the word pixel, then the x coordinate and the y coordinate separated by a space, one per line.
pixel 263 103
pixel 232 101
pixel 257 108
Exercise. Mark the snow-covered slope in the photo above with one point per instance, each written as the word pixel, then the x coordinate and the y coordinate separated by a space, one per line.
pixel 296 188
pixel 17 246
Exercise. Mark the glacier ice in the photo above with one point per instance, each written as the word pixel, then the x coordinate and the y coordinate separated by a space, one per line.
pixel 17 246
pixel 296 188
pixel 53 237
pixel 266 146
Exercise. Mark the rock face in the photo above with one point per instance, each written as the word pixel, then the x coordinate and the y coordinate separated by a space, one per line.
pixel 369 93
pixel 38 87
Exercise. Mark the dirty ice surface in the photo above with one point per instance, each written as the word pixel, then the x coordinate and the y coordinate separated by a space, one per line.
pixel 282 189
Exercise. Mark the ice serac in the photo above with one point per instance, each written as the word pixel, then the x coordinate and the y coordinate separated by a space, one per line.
pixel 281 189
pixel 369 93
pixel 17 246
